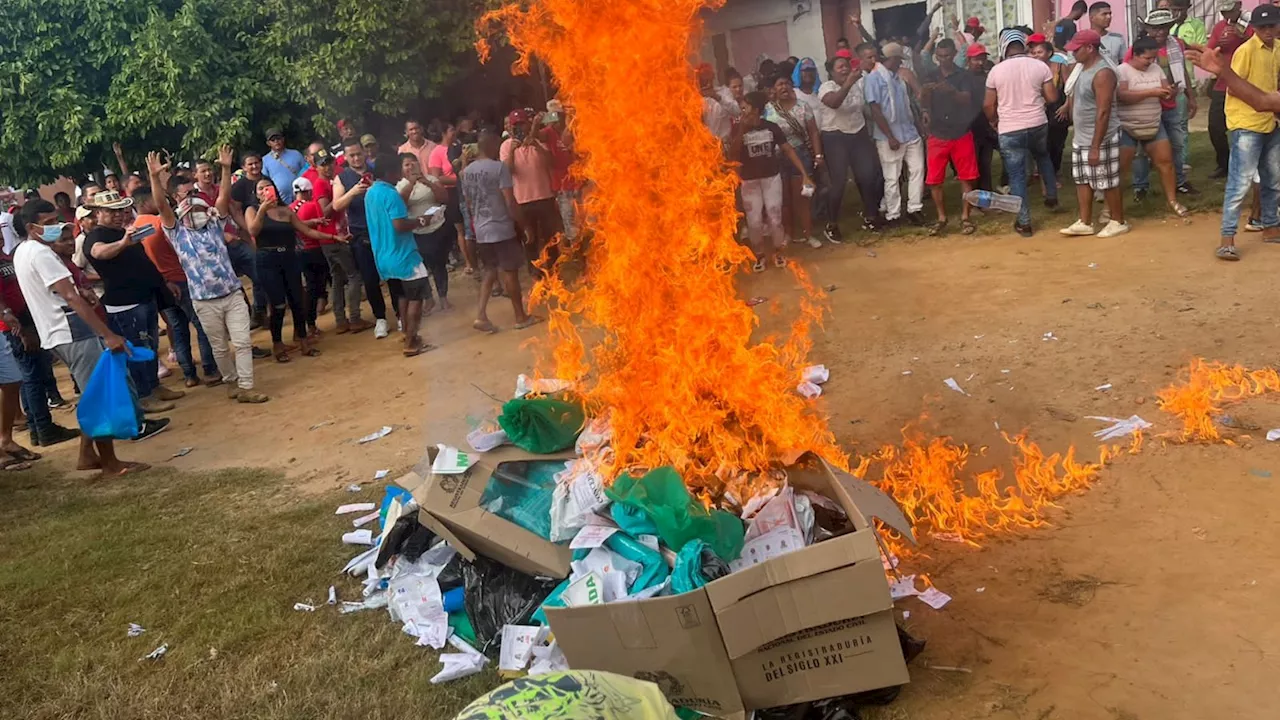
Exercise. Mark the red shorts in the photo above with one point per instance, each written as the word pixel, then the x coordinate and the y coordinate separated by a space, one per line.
pixel 958 152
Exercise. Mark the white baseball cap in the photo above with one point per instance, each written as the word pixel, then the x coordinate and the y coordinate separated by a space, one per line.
pixel 301 185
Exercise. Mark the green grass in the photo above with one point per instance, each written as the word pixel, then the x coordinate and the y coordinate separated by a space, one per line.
pixel 1200 157
pixel 210 564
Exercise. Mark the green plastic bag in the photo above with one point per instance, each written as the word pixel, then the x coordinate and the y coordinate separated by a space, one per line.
pixel 542 425
pixel 662 496
pixel 696 565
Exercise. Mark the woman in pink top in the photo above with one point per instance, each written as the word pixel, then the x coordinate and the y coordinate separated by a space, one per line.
pixel 440 167
pixel 530 163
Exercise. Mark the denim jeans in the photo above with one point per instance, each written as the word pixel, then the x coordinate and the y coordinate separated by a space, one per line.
pixel 1251 152
pixel 1174 122
pixel 244 262
pixel 140 325
pixel 37 370
pixel 1014 147
pixel 181 317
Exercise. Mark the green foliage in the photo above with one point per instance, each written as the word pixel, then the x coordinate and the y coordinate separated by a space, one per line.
pixel 187 75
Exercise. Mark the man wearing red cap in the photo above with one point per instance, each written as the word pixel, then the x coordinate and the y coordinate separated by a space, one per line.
pixel 530 163
pixel 985 139
pixel 973 29
pixel 1095 147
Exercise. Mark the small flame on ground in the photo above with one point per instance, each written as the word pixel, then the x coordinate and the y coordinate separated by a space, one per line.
pixel 1204 387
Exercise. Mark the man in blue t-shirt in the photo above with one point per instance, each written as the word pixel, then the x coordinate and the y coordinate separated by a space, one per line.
pixel 282 165
pixel 396 253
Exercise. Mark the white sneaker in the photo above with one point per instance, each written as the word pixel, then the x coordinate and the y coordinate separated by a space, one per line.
pixel 1113 229
pixel 380 329
pixel 814 242
pixel 399 326
pixel 1079 227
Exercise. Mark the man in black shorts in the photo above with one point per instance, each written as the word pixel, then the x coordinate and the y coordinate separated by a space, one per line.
pixel 491 204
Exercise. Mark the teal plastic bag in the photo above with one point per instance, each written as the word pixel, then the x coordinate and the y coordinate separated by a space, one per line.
pixel 553 601
pixel 542 425
pixel 653 568
pixel 522 493
pixel 696 565
pixel 632 520
pixel 662 496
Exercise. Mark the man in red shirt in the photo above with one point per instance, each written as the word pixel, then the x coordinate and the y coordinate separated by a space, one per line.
pixel 179 317
pixel 315 266
pixel 1228 34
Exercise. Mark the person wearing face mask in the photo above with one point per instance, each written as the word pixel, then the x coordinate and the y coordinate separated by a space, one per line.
pixel 68 326
pixel 196 234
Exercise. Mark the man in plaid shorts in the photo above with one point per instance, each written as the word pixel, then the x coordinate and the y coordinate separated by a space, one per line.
pixel 1095 149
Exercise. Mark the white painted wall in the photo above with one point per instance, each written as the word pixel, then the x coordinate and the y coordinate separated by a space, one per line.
pixel 804 36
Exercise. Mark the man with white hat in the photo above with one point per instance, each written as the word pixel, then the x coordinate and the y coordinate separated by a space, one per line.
pixel 897 138
pixel 198 239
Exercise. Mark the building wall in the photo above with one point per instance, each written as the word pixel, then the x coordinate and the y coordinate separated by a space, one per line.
pixel 803 34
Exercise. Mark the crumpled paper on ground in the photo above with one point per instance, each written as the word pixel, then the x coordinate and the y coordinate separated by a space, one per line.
pixel 547 659
pixel 1119 426
pixel 460 664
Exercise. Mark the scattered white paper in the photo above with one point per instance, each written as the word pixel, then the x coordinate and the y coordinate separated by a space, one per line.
pixel 1273 435
pixel 934 598
pixel 979 337
pixel 359 564
pixel 1093 266
pixel 135 630
pixel 182 452
pixel 649 541
pixel 951 383
pixel 354 508
pixel 906 372
pixel 1006 371
pixel 486 438
pixel 156 654
pixel 333 595
pixel 903 587
pixel 449 461
pixel 544 386
pixel 996 423
pixel 304 607
pixel 1104 387
pixel 517 646
pixel 460 664
pixel 363 519
pixel 547 659
pixel 319 425
pixel 1049 336
pixel 809 390
pixel 592 536
pixel 982 589
pixel 381 474
pixel 415 600
pixel 382 432
pixel 1119 426
pixel 816 374
pixel 971 376
pixel 353 488
pixel 358 537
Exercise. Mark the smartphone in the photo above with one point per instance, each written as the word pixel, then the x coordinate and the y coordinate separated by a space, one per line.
pixel 142 232
pixel 367 178
pixel 272 195
pixel 518 133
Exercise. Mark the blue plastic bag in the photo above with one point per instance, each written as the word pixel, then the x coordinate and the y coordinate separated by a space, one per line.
pixel 107 408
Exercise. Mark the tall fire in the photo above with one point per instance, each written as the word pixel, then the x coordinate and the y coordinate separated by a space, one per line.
pixel 655 332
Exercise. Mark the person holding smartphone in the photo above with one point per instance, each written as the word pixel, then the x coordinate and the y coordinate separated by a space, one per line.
pixel 134 290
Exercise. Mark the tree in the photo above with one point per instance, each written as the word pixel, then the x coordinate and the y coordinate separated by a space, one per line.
pixel 188 75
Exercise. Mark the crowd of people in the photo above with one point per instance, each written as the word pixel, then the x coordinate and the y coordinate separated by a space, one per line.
pixel 315 231
pixel 896 113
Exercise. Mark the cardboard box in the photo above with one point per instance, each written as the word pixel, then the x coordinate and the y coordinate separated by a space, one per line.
pixel 812 624
pixel 673 642
pixel 449 505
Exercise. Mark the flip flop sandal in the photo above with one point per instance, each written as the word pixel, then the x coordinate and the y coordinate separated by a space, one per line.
pixel 779 261
pixel 937 228
pixel 282 357
pixel 1179 209
pixel 415 352
pixel 968 227
pixel 14 465
pixel 1228 253
pixel 530 322
pixel 484 327
pixel 23 455
pixel 311 352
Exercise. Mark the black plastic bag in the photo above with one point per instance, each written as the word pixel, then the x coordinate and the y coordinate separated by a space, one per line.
pixel 496 596
pixel 450 576
pixel 398 538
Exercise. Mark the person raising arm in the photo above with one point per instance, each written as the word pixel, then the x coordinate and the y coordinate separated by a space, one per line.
pixel 1211 61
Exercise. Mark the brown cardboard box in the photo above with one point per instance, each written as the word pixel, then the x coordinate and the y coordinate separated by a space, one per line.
pixel 673 642
pixel 450 507
pixel 811 624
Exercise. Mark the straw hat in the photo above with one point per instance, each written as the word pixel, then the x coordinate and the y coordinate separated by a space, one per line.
pixel 109 200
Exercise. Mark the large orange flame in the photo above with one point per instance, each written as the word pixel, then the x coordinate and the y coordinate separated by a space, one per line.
pixel 670 351
pixel 1204 387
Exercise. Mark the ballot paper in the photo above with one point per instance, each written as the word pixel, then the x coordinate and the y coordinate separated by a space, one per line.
pixel 1119 426
pixel 363 519
pixel 592 536
pixel 358 537
pixel 354 508
pixel 934 598
pixel 378 434
pixel 517 645
pixel 951 383
pixel 809 390
pixel 903 587
pixel 460 664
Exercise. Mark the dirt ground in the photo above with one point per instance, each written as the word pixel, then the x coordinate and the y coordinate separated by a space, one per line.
pixel 1148 596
